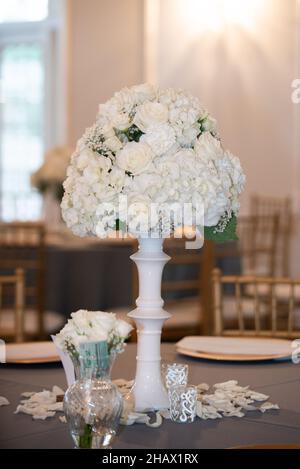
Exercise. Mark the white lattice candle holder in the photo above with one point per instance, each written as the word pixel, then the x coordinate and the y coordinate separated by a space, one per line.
pixel 183 403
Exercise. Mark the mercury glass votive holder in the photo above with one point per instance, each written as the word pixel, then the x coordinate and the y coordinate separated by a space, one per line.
pixel 175 374
pixel 183 403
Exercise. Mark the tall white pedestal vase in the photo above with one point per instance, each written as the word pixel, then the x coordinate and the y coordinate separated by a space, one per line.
pixel 149 316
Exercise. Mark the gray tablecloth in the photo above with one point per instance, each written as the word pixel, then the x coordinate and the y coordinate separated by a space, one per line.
pixel 280 380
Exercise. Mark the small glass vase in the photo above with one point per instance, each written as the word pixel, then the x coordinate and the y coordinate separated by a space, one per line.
pixel 93 404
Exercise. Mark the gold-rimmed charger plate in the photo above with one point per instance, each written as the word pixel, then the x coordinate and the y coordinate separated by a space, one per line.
pixel 29 353
pixel 269 446
pixel 203 347
pixel 228 357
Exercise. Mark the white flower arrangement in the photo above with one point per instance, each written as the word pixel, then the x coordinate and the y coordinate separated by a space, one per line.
pixel 153 146
pixel 52 173
pixel 92 326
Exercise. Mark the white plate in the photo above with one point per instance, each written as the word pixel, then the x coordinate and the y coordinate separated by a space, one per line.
pixel 31 352
pixel 234 348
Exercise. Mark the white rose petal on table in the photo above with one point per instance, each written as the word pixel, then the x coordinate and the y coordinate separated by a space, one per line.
pixel 4 401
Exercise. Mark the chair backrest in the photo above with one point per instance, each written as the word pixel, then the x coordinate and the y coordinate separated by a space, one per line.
pixel 15 280
pixel 273 301
pixel 22 245
pixel 282 207
pixel 187 274
pixel 256 245
pixel 182 280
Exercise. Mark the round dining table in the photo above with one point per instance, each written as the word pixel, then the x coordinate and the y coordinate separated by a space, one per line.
pixel 278 379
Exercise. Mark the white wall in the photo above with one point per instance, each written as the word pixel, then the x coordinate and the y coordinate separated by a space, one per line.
pixel 106 42
pixel 244 78
pixel 243 75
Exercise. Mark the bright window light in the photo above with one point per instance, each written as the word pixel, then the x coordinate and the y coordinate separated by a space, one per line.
pixel 215 15
pixel 23 10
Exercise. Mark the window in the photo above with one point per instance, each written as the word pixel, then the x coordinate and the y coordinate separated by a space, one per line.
pixel 28 56
pixel 23 10
pixel 22 83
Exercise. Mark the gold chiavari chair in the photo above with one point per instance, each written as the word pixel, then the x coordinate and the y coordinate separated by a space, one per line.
pixel 256 245
pixel 22 246
pixel 254 253
pixel 282 207
pixel 186 289
pixel 278 323
pixel 15 300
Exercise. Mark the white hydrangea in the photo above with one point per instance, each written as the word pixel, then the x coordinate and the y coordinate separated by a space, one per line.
pixel 153 146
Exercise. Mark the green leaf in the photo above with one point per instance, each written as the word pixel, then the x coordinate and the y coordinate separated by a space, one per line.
pixel 229 233
pixel 133 133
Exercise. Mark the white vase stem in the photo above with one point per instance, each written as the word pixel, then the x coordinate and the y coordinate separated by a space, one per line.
pixel 149 316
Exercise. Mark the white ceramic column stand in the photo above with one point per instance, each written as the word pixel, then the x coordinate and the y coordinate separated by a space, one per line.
pixel 149 316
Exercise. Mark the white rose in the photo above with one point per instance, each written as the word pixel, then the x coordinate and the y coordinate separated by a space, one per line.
pixel 147 184
pixel 135 157
pixel 117 178
pixel 106 227
pixel 236 173
pixel 109 109
pixel 83 158
pixel 108 131
pixel 97 169
pixel 113 144
pixel 188 136
pixel 214 210
pixel 103 321
pixel 125 99
pixel 96 335
pixel 168 168
pixel 167 96
pixel 144 92
pixel 79 319
pixel 70 216
pixel 149 114
pixel 121 121
pixel 185 158
pixel 80 230
pixel 90 203
pixel 138 213
pixel 160 138
pixel 106 215
pixel 209 124
pixel 208 147
pixel 123 329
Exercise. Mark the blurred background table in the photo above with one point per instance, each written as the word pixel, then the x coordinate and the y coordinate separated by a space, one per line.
pixel 87 277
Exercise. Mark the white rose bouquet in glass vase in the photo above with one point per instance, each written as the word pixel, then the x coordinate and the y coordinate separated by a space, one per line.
pixel 152 164
pixel 92 326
